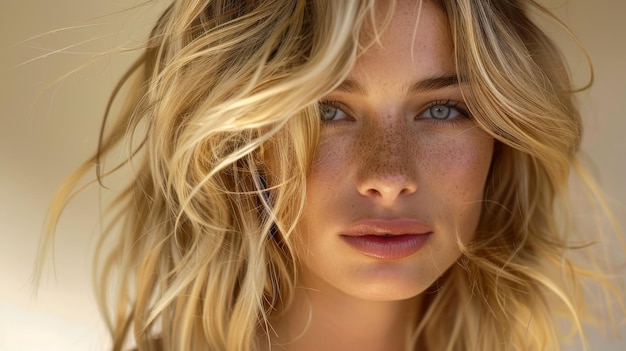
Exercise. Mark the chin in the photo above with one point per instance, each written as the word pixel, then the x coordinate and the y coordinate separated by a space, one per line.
pixel 392 281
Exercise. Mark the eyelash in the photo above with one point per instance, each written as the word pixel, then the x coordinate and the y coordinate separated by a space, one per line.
pixel 464 114
pixel 336 105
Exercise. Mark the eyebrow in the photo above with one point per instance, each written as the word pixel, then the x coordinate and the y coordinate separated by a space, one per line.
pixel 424 85
pixel 434 83
pixel 350 86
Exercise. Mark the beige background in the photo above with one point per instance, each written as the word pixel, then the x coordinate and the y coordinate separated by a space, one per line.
pixel 47 126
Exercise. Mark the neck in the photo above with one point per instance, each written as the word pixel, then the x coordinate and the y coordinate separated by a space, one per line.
pixel 335 321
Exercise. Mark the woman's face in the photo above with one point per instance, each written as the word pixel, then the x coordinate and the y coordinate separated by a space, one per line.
pixel 400 169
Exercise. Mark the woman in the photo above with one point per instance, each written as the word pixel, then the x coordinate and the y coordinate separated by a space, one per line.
pixel 343 175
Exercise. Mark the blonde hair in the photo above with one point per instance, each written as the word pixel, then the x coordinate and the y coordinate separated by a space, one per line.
pixel 225 110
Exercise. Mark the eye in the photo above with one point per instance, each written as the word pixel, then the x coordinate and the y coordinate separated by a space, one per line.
pixel 329 111
pixel 443 110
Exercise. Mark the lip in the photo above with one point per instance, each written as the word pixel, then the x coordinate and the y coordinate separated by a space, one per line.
pixel 387 239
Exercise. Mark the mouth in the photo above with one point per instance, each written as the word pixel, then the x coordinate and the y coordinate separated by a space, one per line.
pixel 387 239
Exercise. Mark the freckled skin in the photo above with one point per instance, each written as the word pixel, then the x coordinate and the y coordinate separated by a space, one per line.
pixel 385 161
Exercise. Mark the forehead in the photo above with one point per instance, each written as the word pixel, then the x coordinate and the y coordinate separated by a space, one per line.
pixel 416 34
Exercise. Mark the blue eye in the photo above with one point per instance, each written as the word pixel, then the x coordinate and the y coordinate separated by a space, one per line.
pixel 443 111
pixel 330 112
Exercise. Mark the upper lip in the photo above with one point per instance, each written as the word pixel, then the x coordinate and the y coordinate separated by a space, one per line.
pixel 399 226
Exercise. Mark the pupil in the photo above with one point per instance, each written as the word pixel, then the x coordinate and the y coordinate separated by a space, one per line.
pixel 440 111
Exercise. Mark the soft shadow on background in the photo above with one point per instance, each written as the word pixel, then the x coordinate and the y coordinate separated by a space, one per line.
pixel 49 123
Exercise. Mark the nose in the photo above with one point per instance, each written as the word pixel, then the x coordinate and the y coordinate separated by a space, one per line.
pixel 387 188
pixel 387 168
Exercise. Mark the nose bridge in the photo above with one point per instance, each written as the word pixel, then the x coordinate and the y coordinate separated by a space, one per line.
pixel 386 159
pixel 385 149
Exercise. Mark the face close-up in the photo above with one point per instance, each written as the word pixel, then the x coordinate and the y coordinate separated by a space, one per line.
pixel 400 169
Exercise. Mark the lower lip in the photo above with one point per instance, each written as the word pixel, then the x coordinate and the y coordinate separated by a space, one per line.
pixel 393 247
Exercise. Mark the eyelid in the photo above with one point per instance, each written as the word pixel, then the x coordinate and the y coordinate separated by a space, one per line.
pixel 334 103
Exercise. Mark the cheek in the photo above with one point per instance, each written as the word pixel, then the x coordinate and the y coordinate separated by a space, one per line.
pixel 457 164
pixel 330 164
pixel 454 173
pixel 326 182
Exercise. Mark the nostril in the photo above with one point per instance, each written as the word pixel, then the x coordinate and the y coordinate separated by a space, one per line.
pixel 406 191
pixel 387 187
